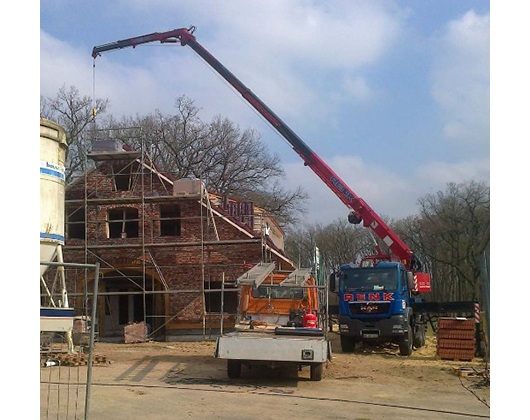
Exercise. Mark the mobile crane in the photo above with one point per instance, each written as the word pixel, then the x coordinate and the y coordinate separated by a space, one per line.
pixel 360 211
pixel 378 299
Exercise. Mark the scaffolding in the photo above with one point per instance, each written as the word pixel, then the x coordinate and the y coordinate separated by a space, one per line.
pixel 104 221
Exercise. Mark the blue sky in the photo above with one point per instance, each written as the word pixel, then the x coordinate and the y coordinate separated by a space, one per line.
pixel 393 95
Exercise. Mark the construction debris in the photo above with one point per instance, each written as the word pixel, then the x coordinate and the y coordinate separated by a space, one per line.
pixel 135 333
pixel 73 359
pixel 467 372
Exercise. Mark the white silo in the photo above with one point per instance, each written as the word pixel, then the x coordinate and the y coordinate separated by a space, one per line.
pixel 53 148
pixel 55 314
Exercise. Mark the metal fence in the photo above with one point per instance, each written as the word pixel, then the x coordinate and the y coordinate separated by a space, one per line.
pixel 485 275
pixel 66 372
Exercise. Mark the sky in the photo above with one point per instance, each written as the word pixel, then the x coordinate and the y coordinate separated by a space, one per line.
pixel 392 95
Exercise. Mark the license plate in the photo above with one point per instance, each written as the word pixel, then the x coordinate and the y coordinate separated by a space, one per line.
pixel 370 335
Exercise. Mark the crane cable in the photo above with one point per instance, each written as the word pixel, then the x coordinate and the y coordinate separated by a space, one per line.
pixel 94 109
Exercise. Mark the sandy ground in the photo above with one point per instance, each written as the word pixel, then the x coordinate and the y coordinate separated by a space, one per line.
pixel 184 380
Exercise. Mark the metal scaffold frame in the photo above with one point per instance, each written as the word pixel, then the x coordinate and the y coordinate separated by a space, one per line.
pixel 151 271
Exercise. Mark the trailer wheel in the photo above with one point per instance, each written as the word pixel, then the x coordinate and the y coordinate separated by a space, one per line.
pixel 405 345
pixel 347 344
pixel 317 371
pixel 233 368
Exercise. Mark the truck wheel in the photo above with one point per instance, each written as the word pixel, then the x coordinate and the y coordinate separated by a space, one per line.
pixel 317 371
pixel 419 337
pixel 347 344
pixel 405 345
pixel 233 368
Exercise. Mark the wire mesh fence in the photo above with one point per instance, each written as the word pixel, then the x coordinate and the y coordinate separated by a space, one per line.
pixel 66 358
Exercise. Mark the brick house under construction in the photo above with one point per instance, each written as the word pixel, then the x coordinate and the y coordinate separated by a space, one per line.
pixel 169 251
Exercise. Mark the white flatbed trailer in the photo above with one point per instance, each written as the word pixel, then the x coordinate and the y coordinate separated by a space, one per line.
pixel 273 348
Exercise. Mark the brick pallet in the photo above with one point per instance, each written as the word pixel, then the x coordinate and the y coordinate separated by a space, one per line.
pixel 456 339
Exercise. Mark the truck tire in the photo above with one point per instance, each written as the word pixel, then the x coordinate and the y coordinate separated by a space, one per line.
pixel 419 337
pixel 347 344
pixel 405 345
pixel 317 371
pixel 233 368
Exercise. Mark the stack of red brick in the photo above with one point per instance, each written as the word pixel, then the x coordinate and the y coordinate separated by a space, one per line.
pixel 456 338
pixel 135 333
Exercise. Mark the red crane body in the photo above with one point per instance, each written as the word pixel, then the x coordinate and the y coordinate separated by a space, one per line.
pixel 360 210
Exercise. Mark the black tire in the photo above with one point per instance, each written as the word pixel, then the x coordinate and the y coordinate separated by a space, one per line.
pixel 347 344
pixel 317 371
pixel 233 368
pixel 405 345
pixel 419 337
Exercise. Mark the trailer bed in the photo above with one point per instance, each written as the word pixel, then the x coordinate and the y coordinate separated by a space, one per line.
pixel 273 348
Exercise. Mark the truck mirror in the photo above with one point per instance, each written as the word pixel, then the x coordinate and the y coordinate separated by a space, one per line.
pixel 332 284
pixel 410 281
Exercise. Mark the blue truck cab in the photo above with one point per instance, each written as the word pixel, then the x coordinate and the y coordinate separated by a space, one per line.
pixel 374 305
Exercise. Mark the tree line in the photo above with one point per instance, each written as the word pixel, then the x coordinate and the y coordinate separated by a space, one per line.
pixel 450 234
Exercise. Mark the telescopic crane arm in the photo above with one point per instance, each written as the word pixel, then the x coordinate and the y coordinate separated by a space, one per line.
pixel 360 210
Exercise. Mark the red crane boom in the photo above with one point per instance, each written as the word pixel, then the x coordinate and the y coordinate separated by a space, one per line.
pixel 360 210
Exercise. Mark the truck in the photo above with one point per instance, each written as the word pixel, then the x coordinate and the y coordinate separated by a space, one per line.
pixel 393 311
pixel 279 323
pixel 376 304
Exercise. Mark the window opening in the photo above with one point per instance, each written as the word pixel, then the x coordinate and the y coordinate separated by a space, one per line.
pixel 122 176
pixel 123 310
pixel 75 224
pixel 123 223
pixel 170 220
pixel 266 291
pixel 212 291
pixel 369 279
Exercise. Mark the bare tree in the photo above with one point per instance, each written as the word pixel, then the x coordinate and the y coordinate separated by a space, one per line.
pixel 286 206
pixel 229 160
pixel 454 231
pixel 339 243
pixel 74 113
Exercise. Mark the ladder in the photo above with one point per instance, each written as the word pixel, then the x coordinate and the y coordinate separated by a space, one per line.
pixel 256 275
pixel 297 277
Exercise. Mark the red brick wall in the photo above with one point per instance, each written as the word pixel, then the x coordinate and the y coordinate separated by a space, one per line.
pixel 180 262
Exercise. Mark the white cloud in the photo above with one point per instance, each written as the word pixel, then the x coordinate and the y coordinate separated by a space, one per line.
pixel 357 87
pixel 388 194
pixel 461 79
pixel 280 50
pixel 338 33
pixel 62 65
pixel 274 45
pixel 438 174
pixel 344 34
